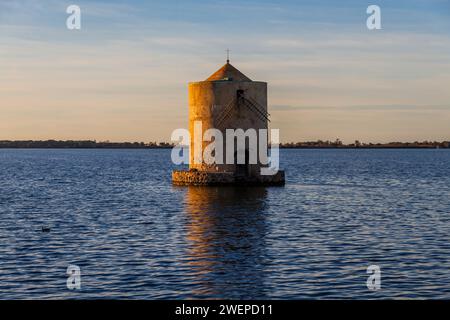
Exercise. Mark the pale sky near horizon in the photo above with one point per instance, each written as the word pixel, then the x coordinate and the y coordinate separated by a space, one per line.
pixel 124 75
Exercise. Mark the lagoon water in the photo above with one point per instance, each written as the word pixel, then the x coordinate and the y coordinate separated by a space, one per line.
pixel 115 214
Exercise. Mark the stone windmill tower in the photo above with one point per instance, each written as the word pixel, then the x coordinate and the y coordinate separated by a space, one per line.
pixel 228 99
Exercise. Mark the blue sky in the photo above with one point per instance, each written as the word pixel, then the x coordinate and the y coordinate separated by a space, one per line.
pixel 124 75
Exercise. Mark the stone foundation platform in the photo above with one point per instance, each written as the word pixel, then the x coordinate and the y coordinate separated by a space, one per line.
pixel 204 178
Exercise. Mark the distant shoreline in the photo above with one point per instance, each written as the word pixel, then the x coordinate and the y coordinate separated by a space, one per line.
pixel 90 144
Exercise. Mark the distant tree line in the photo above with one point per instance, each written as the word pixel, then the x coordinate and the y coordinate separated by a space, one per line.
pixel 319 144
pixel 83 144
pixel 357 144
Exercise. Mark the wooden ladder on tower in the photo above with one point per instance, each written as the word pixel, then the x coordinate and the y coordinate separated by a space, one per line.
pixel 249 103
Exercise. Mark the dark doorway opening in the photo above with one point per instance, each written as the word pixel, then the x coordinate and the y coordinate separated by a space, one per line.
pixel 242 169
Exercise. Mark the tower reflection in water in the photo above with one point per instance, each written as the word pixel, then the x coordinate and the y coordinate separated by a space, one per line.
pixel 226 229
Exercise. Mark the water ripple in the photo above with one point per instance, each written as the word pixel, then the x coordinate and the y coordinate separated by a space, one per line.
pixel 115 214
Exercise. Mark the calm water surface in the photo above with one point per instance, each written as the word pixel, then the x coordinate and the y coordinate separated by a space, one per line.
pixel 115 214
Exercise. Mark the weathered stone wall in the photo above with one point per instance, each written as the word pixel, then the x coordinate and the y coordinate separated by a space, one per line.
pixel 194 177
pixel 207 102
pixel 201 178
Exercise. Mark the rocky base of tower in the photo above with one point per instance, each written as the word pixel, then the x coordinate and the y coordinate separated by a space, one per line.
pixel 204 178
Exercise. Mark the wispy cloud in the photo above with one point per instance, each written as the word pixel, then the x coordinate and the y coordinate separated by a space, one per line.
pixel 132 60
pixel 384 108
